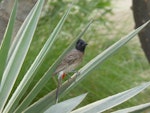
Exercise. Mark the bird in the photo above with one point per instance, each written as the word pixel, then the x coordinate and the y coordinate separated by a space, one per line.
pixel 70 62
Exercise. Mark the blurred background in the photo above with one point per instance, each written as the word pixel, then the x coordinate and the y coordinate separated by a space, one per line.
pixel 113 20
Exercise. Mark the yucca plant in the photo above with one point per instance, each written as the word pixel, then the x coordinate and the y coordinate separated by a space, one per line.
pixel 12 56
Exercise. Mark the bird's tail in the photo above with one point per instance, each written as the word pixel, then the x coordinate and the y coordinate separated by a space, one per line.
pixel 57 90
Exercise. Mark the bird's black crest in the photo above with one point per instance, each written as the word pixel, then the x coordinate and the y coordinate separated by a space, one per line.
pixel 81 45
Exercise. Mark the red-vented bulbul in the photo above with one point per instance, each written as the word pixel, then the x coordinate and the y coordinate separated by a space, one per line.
pixel 70 62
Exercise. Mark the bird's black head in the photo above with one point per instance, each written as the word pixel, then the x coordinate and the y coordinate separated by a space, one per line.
pixel 81 45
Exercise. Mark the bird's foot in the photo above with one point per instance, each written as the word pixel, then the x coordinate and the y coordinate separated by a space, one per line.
pixel 77 73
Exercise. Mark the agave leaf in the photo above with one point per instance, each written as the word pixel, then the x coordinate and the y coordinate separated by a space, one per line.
pixel 28 77
pixel 7 40
pixel 28 99
pixel 14 65
pixel 134 109
pixel 112 101
pixel 66 106
pixel 20 32
pixel 67 86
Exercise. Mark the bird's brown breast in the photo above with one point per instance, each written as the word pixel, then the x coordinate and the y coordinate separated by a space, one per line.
pixel 70 61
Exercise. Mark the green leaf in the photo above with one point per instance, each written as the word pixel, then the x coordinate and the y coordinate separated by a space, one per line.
pixel 112 101
pixel 66 106
pixel 134 109
pixel 67 86
pixel 19 33
pixel 7 40
pixel 14 65
pixel 36 64
pixel 45 79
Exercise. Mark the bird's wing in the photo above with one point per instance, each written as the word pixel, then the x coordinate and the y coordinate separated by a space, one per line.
pixel 69 59
pixel 72 57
